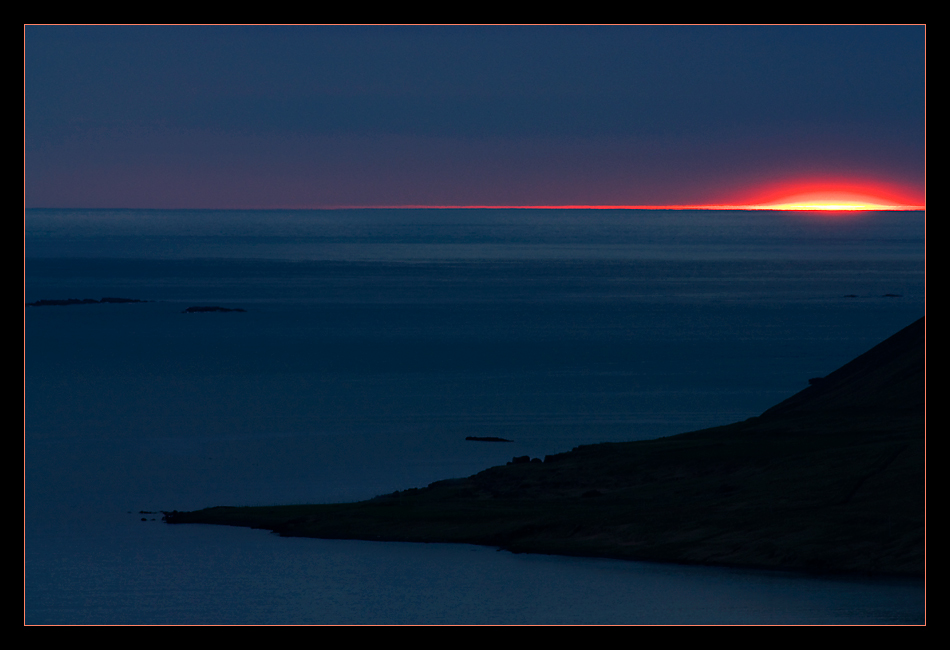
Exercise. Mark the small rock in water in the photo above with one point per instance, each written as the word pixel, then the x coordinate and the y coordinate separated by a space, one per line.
pixel 195 310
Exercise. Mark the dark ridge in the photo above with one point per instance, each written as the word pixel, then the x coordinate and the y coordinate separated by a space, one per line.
pixel 122 300
pixel 885 383
pixel 487 439
pixel 77 301
pixel 830 480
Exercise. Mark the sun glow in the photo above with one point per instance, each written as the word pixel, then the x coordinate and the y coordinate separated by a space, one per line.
pixel 830 206
pixel 824 202
pixel 832 197
pixel 842 195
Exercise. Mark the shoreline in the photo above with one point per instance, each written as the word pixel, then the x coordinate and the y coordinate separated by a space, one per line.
pixel 832 480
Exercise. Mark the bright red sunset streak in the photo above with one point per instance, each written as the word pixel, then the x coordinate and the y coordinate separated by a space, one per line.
pixel 813 206
pixel 793 196
pixel 834 195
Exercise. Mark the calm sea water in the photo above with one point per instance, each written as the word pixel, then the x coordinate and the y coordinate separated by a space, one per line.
pixel 372 344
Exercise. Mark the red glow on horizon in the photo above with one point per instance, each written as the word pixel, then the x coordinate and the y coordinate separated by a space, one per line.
pixel 823 204
pixel 835 195
pixel 799 195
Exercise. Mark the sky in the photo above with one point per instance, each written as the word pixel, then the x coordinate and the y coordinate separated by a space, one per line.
pixel 224 117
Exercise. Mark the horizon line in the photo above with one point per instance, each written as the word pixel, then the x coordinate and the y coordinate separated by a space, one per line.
pixel 866 207
pixel 747 207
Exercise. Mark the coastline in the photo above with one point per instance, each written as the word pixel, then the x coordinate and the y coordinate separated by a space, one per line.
pixel 830 480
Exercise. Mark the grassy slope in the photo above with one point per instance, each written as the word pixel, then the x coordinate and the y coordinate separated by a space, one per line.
pixel 832 479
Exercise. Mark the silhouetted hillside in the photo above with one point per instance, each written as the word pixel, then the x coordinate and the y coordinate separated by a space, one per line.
pixel 831 479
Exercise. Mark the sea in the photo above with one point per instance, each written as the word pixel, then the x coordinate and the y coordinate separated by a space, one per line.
pixel 371 344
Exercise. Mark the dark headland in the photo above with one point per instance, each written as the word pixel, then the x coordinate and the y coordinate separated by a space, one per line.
pixel 84 301
pixel 830 480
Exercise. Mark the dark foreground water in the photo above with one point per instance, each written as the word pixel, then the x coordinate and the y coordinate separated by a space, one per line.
pixel 373 343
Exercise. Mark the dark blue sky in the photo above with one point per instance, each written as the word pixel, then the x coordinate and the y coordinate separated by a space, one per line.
pixel 232 117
